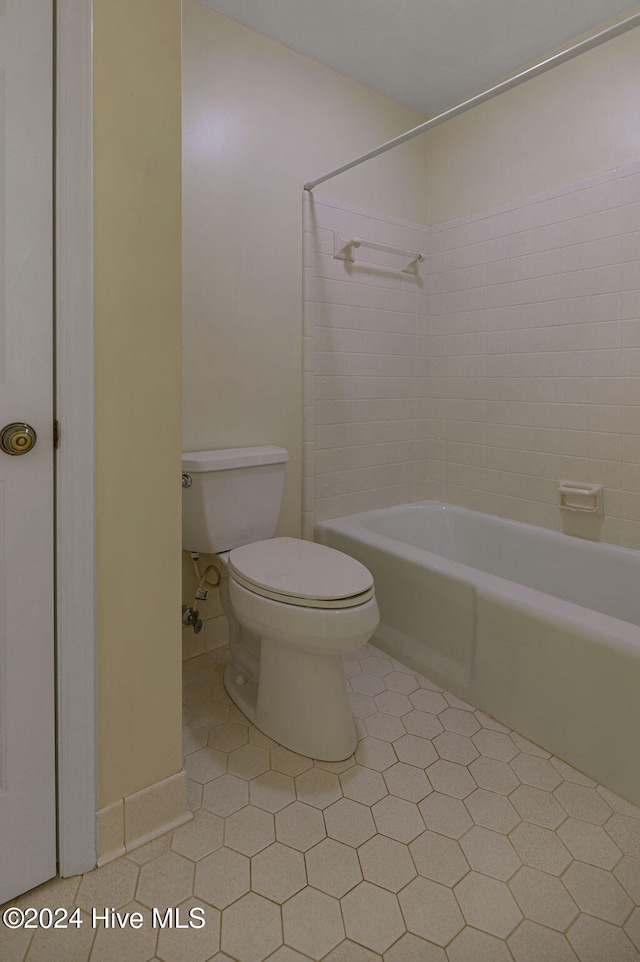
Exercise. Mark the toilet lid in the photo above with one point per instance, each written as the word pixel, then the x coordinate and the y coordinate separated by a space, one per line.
pixel 302 573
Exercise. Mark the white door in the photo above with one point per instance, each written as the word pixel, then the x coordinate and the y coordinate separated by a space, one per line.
pixel 27 720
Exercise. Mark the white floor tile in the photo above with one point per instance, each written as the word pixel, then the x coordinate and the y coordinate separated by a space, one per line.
pixel 445 838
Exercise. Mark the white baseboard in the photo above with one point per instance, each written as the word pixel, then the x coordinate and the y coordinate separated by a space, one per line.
pixel 139 818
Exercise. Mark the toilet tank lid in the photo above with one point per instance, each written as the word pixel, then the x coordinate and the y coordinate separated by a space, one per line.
pixel 226 458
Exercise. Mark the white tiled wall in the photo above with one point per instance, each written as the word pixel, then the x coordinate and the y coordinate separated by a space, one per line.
pixel 511 363
pixel 361 334
pixel 530 356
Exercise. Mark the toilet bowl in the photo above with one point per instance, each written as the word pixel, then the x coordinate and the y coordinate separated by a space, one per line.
pixel 293 607
pixel 296 598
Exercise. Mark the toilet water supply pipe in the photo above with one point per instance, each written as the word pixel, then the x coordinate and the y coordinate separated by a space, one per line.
pixel 201 591
pixel 191 616
pixel 568 53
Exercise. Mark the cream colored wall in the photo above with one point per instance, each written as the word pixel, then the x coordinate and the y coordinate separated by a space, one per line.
pixel 137 117
pixel 576 120
pixel 260 120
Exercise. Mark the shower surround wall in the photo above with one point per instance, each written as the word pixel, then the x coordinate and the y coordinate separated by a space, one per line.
pixel 361 325
pixel 511 363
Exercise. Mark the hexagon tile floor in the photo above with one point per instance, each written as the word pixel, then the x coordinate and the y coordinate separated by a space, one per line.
pixel 446 838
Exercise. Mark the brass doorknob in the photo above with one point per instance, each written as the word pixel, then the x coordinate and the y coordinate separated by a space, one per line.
pixel 17 438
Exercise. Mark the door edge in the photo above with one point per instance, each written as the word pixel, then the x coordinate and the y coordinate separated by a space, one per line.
pixel 75 457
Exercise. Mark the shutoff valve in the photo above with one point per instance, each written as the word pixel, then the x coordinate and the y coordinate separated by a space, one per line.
pixel 191 616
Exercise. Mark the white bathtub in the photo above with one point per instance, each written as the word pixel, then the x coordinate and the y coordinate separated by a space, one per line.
pixel 538 629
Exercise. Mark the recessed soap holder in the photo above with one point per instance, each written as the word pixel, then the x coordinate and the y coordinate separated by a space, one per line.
pixel 580 496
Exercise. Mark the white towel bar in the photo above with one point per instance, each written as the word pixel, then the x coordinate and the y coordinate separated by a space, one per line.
pixel 343 248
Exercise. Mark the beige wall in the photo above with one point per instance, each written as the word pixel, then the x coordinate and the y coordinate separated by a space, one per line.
pixel 137 378
pixel 260 120
pixel 576 120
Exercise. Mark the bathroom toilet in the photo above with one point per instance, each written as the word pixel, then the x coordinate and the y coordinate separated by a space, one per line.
pixel 293 606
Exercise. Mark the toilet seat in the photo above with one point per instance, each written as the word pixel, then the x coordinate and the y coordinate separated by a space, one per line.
pixel 301 573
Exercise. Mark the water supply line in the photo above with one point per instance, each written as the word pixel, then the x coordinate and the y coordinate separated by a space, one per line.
pixel 202 578
pixel 191 616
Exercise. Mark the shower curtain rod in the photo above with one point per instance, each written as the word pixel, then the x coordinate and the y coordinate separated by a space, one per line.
pixel 563 55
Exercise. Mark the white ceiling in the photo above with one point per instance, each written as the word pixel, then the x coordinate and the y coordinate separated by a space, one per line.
pixel 427 54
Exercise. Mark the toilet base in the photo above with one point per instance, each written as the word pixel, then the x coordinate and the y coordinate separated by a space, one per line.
pixel 300 701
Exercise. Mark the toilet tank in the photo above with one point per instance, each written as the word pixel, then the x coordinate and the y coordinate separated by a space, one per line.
pixel 234 497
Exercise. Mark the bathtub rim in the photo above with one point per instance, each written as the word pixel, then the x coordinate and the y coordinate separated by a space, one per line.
pixel 621 634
